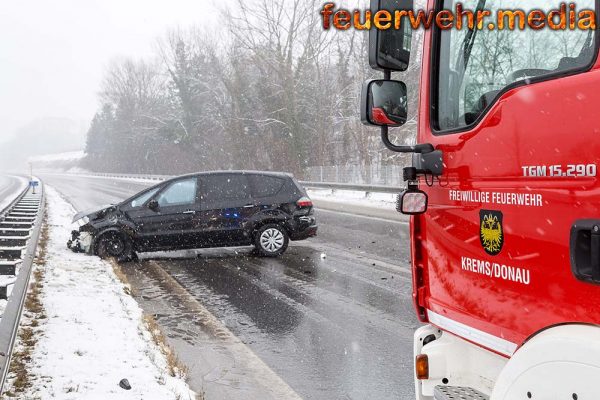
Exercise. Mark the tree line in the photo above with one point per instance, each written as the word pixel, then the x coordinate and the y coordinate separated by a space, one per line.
pixel 269 90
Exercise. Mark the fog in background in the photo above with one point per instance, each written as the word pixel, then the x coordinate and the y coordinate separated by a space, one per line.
pixel 53 55
pixel 182 86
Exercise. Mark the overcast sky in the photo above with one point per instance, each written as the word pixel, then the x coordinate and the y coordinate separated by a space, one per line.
pixel 53 52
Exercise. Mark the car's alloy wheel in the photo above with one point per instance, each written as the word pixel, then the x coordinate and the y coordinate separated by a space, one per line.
pixel 115 245
pixel 272 240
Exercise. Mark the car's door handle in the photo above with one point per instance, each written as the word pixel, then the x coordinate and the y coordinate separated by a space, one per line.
pixel 249 206
pixel 189 212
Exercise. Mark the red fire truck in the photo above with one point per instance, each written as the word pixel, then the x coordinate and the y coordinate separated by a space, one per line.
pixel 505 203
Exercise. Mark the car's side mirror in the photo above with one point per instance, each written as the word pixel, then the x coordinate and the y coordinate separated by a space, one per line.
pixel 412 202
pixel 389 49
pixel 384 103
pixel 153 205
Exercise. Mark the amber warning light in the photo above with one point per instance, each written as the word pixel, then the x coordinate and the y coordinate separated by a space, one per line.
pixel 422 367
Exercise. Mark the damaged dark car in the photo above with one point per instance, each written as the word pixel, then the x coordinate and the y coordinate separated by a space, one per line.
pixel 214 209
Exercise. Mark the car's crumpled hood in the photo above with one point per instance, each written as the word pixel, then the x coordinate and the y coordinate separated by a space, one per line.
pixel 93 214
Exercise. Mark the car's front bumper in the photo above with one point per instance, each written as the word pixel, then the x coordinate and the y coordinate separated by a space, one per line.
pixel 81 242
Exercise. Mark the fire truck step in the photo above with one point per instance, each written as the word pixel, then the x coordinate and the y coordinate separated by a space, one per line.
pixel 458 392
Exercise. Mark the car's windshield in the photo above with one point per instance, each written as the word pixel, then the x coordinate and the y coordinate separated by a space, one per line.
pixel 143 198
pixel 474 66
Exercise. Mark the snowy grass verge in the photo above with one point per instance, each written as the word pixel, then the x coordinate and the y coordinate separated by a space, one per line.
pixel 175 367
pixel 89 333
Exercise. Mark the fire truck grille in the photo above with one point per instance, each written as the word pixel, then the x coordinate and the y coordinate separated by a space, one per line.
pixel 458 393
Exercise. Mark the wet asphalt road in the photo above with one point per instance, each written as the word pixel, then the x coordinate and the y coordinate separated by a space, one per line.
pixel 333 317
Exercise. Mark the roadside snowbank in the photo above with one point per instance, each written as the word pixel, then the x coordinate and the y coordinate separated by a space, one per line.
pixel 386 201
pixel 93 335
pixel 66 156
pixel 57 162
pixel 86 174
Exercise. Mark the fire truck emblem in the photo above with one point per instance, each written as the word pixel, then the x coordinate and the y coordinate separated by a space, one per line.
pixel 491 232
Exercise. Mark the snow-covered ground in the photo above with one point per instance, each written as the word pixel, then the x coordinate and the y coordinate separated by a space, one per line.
pixel 68 161
pixel 386 201
pixel 68 156
pixel 94 335
pixel 86 174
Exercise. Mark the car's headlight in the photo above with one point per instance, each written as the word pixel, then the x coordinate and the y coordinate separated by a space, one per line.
pixel 81 222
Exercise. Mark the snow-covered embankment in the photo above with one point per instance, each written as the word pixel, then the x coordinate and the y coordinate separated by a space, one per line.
pixel 88 333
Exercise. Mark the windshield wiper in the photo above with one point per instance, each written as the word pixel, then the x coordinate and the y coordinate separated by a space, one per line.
pixel 467 47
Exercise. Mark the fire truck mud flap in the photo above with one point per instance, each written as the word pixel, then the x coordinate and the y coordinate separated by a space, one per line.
pixel 562 362
pixel 458 392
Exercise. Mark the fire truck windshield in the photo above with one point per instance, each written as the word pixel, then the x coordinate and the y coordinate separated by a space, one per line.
pixel 473 67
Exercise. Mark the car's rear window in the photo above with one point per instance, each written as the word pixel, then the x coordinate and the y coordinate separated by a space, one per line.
pixel 265 186
pixel 299 187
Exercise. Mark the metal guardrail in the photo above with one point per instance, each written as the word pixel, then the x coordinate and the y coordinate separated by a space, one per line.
pixel 132 176
pixel 28 208
pixel 310 185
pixel 7 209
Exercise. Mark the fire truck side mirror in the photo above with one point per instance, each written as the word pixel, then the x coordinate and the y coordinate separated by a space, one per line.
pixel 384 103
pixel 412 202
pixel 390 49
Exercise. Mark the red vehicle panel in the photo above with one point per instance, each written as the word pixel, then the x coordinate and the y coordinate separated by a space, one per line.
pixel 528 285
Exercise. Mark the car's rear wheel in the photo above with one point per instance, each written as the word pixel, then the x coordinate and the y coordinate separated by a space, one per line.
pixel 271 240
pixel 115 245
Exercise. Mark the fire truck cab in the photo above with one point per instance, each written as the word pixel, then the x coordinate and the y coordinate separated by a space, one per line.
pixel 505 203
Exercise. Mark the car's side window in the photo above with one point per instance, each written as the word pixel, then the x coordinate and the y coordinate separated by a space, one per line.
pixel 265 186
pixel 143 198
pixel 224 187
pixel 179 193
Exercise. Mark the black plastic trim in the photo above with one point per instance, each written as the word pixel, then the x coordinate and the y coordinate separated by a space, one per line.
pixel 584 248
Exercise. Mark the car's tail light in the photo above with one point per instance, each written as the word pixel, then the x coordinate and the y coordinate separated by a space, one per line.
pixel 304 202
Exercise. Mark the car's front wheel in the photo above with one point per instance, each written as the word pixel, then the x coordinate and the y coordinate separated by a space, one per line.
pixel 271 240
pixel 115 245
